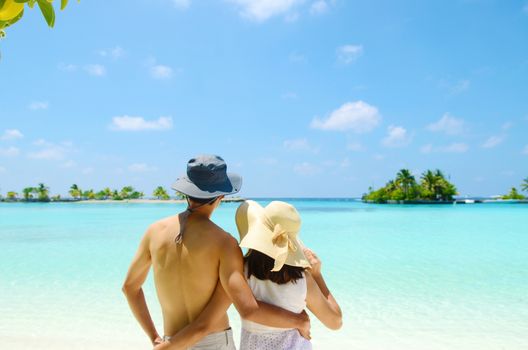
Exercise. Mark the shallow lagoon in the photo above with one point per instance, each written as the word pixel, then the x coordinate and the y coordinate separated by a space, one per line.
pixel 407 277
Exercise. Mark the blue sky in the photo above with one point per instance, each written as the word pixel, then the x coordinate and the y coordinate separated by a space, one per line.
pixel 302 98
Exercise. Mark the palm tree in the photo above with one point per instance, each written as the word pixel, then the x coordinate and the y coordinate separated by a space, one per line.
pixel 28 193
pixel 89 194
pixel 126 191
pixel 160 193
pixel 430 183
pixel 43 192
pixel 75 191
pixel 406 179
pixel 524 185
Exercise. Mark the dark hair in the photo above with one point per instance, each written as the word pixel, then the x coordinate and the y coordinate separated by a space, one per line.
pixel 260 265
pixel 202 200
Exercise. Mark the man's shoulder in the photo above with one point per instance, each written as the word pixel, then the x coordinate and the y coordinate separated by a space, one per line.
pixel 221 234
pixel 162 224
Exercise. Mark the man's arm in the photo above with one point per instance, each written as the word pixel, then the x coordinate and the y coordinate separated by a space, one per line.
pixel 201 326
pixel 137 273
pixel 236 287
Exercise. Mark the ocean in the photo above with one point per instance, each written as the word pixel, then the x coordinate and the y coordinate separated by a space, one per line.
pixel 406 276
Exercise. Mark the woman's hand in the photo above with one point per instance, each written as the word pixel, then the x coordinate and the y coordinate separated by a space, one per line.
pixel 314 261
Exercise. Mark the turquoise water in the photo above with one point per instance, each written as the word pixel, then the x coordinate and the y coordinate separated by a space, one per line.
pixel 406 277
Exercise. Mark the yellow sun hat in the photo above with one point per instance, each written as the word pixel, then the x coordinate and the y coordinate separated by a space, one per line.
pixel 272 230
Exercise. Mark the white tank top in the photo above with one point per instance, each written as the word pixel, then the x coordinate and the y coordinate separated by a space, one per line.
pixel 290 296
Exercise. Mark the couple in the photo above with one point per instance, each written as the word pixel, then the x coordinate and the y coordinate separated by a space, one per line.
pixel 199 271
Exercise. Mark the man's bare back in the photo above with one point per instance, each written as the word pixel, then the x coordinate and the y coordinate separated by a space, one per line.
pixel 186 274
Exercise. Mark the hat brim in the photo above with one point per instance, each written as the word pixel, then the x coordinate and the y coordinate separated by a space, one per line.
pixel 254 234
pixel 232 185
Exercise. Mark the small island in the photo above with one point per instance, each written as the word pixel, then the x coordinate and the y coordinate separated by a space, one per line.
pixel 432 188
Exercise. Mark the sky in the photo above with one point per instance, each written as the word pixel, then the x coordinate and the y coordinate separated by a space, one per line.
pixel 303 98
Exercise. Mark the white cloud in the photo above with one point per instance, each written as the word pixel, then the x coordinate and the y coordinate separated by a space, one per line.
pixel 160 71
pixel 448 124
pixel 379 157
pixel 50 151
pixel 358 116
pixel 525 9
pixel 397 136
pixel 128 123
pixel 9 152
pixel 455 147
pixel 299 145
pixel 349 53
pixel 11 134
pixel 493 141
pixel 67 67
pixel 507 126
pixel 141 168
pixel 318 7
pixel 355 146
pixel 306 169
pixel 115 53
pixel 182 4
pixel 38 105
pixel 262 10
pixel 525 150
pixel 97 70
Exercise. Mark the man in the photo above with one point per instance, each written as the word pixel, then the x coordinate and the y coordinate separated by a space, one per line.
pixel 198 269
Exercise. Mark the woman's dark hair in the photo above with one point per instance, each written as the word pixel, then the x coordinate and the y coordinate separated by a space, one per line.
pixel 202 200
pixel 260 265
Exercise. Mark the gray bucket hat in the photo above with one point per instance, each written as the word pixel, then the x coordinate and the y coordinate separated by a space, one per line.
pixel 207 177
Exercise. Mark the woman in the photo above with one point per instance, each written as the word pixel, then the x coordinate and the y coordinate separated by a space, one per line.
pixel 280 271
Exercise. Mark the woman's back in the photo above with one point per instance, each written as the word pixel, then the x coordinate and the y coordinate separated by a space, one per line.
pixel 290 296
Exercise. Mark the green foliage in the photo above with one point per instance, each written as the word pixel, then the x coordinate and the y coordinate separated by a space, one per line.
pixel 161 193
pixel 43 193
pixel 514 194
pixel 45 6
pixel 12 195
pixel 75 192
pixel 28 193
pixel 524 185
pixel 433 186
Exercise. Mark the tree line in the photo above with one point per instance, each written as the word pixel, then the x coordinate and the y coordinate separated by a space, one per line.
pixel 41 193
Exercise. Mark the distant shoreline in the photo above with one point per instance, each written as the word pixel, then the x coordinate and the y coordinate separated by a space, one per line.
pixel 113 201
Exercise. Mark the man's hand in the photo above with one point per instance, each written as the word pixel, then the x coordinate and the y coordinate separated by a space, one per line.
pixel 314 261
pixel 305 326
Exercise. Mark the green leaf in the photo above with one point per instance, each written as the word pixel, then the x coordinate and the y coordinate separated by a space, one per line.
pixel 2 3
pixel 63 4
pixel 47 11
pixel 31 3
pixel 21 1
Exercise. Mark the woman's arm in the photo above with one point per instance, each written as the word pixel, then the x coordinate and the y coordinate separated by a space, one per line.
pixel 319 299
